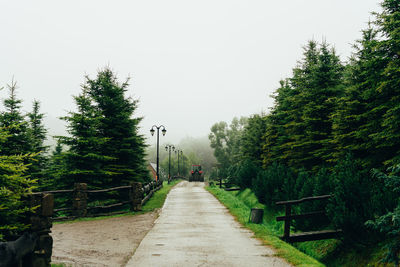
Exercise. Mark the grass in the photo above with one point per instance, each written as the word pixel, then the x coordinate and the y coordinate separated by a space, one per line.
pixel 155 202
pixel 240 203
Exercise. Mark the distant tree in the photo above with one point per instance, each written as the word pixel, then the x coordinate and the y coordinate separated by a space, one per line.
pixel 12 119
pixel 226 143
pixel 252 139
pixel 37 135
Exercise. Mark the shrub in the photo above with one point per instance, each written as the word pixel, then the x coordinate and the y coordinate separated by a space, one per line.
pixel 351 204
pixel 389 224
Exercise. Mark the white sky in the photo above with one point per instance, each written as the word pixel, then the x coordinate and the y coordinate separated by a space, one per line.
pixel 192 63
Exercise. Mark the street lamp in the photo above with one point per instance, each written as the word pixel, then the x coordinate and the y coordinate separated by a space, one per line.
pixel 169 148
pixel 179 152
pixel 164 131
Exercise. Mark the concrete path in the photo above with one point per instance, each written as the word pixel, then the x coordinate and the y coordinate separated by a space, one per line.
pixel 194 229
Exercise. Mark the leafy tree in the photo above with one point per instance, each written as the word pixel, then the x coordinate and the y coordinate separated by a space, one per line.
pixel 226 143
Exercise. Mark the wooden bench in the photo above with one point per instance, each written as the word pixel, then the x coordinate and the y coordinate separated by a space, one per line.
pixel 305 236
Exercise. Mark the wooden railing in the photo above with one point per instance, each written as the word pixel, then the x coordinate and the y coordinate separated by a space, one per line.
pixel 227 186
pixel 305 236
pixel 85 203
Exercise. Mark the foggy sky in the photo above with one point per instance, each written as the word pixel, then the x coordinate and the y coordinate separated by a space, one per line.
pixel 191 63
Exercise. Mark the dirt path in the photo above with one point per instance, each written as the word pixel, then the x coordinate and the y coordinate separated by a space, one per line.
pixel 195 229
pixel 106 242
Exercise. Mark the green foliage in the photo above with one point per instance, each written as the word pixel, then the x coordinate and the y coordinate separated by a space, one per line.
pixel 104 146
pixel 389 223
pixel 18 142
pixel 351 206
pixel 14 186
pixel 37 135
pixel 124 146
pixel 245 173
pixel 84 160
pixel 274 183
pixel 226 143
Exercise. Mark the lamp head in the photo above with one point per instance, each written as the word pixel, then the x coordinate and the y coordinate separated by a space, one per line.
pixel 164 132
pixel 152 131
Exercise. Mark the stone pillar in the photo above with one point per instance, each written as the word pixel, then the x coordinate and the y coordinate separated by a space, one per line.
pixel 41 224
pixel 136 196
pixel 79 201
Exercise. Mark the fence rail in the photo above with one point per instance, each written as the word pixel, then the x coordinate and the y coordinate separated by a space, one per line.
pixel 305 236
pixel 84 202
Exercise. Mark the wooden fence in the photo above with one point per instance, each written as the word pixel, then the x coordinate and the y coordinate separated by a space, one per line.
pixel 35 249
pixel 305 236
pixel 83 202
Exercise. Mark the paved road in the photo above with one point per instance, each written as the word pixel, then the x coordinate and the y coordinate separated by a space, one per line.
pixel 194 229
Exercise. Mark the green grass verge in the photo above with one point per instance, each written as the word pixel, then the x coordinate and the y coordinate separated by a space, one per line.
pixel 239 205
pixel 155 202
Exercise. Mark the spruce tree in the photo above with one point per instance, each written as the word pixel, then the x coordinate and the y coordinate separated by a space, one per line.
pixel 357 117
pixel 37 135
pixel 388 139
pixel 12 119
pixel 84 160
pixel 124 146
pixel 15 184
pixel 317 84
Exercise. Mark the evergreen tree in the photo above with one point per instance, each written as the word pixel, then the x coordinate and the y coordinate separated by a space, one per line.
pixel 37 135
pixel 357 117
pixel 18 142
pixel 388 139
pixel 84 160
pixel 124 146
pixel 14 186
pixel 319 83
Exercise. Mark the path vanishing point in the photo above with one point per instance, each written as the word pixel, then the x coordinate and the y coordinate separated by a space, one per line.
pixel 194 229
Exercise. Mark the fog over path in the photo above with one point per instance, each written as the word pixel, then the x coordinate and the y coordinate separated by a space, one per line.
pixel 194 229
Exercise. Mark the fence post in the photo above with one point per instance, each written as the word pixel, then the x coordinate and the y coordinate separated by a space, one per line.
pixel 136 196
pixel 79 201
pixel 41 224
pixel 288 213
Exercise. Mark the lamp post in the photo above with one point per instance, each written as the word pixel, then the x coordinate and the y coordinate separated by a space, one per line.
pixel 179 152
pixel 169 148
pixel 164 131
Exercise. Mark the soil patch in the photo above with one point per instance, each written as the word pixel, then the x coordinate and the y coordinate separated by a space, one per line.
pixel 106 242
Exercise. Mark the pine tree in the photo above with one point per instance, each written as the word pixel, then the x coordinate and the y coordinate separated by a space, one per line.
pixel 37 135
pixel 12 119
pixel 357 116
pixel 84 160
pixel 388 139
pixel 117 126
pixel 14 186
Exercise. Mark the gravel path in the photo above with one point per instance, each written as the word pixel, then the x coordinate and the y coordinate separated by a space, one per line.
pixel 106 242
pixel 194 229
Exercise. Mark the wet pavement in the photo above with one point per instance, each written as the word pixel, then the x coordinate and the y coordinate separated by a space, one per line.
pixel 194 229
